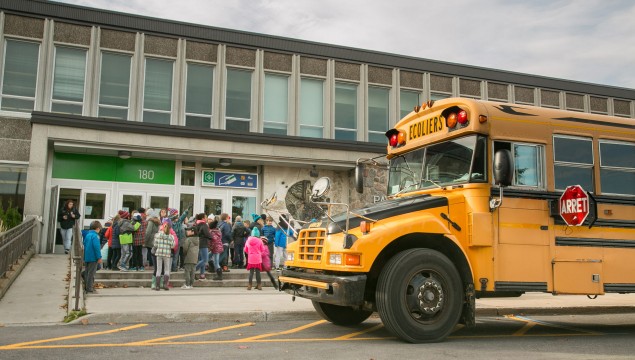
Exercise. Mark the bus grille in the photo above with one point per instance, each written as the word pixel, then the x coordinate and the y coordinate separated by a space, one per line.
pixel 311 244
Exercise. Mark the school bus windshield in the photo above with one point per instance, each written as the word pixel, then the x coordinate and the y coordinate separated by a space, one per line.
pixel 451 162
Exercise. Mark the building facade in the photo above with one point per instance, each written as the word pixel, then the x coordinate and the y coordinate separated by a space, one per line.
pixel 118 111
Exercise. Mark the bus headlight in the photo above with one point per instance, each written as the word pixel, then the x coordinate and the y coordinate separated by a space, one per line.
pixel 290 256
pixel 335 259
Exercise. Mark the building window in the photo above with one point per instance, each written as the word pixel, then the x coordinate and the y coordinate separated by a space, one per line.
pixel 238 101
pixel 276 104
pixel 312 108
pixel 378 109
pixel 19 76
pixel 617 168
pixel 345 111
pixel 157 91
pixel 68 80
pixel 407 101
pixel 573 162
pixel 528 163
pixel 13 180
pixel 198 96
pixel 114 86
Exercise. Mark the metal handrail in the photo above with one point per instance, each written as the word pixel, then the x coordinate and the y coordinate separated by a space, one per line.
pixel 78 259
pixel 14 243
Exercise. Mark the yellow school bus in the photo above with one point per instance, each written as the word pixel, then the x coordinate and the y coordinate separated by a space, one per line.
pixel 474 210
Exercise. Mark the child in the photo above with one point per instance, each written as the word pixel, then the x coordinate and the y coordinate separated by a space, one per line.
pixel 164 241
pixel 190 256
pixel 254 249
pixel 92 255
pixel 266 262
pixel 269 231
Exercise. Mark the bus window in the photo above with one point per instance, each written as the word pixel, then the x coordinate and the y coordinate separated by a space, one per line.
pixel 617 168
pixel 405 172
pixel 528 163
pixel 573 162
pixel 479 166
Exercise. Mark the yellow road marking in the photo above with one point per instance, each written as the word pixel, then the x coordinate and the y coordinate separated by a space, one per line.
pixel 72 337
pixel 163 339
pixel 351 335
pixel 556 326
pixel 286 332
pixel 524 329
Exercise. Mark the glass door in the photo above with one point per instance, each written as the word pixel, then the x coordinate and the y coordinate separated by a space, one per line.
pixel 131 202
pixel 94 208
pixel 160 201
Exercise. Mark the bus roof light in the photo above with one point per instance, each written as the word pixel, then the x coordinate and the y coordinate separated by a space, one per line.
pixel 393 141
pixel 451 121
pixel 461 117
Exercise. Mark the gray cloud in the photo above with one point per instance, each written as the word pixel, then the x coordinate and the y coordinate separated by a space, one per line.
pixel 582 40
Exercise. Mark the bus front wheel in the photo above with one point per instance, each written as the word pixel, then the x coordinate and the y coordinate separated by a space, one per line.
pixel 418 296
pixel 341 315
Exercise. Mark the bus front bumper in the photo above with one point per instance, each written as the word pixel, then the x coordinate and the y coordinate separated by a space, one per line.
pixel 332 289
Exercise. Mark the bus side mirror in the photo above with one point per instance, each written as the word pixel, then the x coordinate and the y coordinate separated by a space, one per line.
pixel 359 178
pixel 503 168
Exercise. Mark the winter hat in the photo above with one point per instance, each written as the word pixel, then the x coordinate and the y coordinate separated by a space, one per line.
pixel 124 214
pixel 172 212
pixel 137 217
pixel 167 221
pixel 141 210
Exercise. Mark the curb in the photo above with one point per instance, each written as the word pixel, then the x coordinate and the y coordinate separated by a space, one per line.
pixel 264 316
pixel 151 317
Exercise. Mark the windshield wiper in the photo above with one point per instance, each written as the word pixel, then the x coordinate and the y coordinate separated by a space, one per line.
pixel 434 183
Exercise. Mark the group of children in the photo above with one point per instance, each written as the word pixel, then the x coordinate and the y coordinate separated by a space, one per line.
pixel 161 238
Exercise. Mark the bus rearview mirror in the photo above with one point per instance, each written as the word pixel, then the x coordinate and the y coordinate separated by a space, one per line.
pixel 503 165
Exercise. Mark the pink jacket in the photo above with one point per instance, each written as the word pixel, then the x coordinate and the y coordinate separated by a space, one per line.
pixel 254 249
pixel 266 261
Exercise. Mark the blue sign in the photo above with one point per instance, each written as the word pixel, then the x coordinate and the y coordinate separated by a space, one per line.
pixel 233 180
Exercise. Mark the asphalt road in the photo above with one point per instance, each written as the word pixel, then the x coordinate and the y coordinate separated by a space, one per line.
pixel 512 337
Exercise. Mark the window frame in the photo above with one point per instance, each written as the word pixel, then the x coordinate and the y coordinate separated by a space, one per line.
pixel 187 114
pixel 620 169
pixel 4 96
pixel 144 109
pixel 282 124
pixel 302 125
pixel 342 129
pixel 387 120
pixel 101 69
pixel 568 164
pixel 84 85
pixel 249 120
pixel 541 164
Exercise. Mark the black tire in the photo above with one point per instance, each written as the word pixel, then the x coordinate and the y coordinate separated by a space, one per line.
pixel 419 296
pixel 341 315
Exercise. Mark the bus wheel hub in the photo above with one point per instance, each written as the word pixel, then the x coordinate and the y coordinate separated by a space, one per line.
pixel 431 297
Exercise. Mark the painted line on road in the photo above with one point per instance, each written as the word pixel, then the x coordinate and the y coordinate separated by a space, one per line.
pixel 286 332
pixel 352 335
pixel 28 343
pixel 556 326
pixel 211 331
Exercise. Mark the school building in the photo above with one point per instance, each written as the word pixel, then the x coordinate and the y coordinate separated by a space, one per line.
pixel 120 111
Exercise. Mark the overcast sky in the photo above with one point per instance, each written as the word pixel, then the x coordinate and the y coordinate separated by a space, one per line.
pixel 590 41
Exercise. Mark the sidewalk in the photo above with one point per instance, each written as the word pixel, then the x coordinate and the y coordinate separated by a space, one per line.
pixel 38 296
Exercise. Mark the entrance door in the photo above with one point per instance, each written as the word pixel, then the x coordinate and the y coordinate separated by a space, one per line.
pixel 94 208
pixel 133 200
pixel 52 222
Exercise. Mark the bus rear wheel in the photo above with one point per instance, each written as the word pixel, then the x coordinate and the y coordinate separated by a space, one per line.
pixel 418 296
pixel 341 315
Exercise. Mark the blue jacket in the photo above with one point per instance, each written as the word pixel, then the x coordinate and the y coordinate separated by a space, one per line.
pixel 270 232
pixel 281 237
pixel 92 250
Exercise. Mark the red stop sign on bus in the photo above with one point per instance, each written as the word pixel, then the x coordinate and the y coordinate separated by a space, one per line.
pixel 574 205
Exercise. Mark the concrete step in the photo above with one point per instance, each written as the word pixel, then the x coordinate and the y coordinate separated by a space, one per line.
pixel 146 275
pixel 176 283
pixel 124 279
